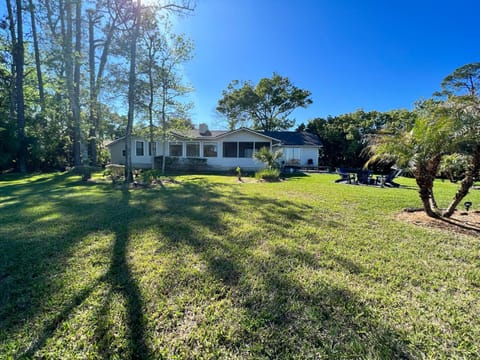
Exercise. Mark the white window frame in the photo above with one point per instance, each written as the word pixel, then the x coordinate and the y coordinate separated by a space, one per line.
pixel 210 144
pixel 175 143
pixel 192 143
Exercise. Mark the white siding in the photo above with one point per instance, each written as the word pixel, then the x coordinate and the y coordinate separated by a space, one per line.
pixel 304 153
pixel 301 153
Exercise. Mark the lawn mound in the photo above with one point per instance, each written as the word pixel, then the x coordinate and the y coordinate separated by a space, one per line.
pixel 460 222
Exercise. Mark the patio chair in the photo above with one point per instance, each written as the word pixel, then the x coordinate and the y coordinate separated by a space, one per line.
pixel 345 176
pixel 387 180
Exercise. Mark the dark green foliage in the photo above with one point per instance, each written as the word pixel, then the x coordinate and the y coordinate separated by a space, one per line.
pixel 345 137
pixel 268 174
pixel 269 158
pixel 268 104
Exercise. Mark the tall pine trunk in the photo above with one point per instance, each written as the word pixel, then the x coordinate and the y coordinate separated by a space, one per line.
pixel 41 91
pixel 150 110
pixel 93 96
pixel 13 71
pixel 76 81
pixel 131 95
pixel 20 101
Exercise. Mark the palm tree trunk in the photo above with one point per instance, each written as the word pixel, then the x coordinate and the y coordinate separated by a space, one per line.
pixel 425 176
pixel 467 182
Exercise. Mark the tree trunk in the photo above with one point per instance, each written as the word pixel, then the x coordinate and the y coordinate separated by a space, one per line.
pixel 13 71
pixel 41 91
pixel 131 95
pixel 93 96
pixel 467 182
pixel 96 82
pixel 425 176
pixel 68 56
pixel 19 66
pixel 76 80
pixel 164 126
pixel 150 107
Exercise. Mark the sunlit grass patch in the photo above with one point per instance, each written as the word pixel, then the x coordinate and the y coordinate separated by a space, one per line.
pixel 208 267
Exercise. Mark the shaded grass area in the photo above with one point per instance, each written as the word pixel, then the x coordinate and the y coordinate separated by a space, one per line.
pixel 212 268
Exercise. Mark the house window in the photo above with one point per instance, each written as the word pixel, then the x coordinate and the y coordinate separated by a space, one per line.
pixel 152 148
pixel 176 149
pixel 230 149
pixel 210 150
pixel 193 149
pixel 245 149
pixel 139 148
pixel 259 145
pixel 124 152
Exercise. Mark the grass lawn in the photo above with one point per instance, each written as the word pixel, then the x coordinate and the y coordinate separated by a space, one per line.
pixel 212 268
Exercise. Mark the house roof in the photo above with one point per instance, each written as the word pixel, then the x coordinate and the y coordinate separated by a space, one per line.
pixel 287 138
pixel 294 138
pixel 195 134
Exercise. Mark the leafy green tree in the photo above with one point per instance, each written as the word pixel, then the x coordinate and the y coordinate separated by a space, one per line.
pixel 345 137
pixel 461 89
pixel 161 85
pixel 268 104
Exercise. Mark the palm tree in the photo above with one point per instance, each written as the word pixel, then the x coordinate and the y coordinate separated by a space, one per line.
pixel 269 158
pixel 466 111
pixel 420 148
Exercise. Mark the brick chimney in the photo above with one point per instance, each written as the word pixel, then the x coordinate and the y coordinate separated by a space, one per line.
pixel 203 129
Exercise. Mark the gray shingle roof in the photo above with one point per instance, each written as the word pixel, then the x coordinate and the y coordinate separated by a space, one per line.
pixel 298 138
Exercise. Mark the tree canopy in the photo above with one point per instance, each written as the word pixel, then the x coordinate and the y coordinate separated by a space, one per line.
pixel 63 67
pixel 267 105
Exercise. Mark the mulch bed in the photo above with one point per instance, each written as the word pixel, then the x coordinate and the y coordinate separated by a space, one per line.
pixel 460 222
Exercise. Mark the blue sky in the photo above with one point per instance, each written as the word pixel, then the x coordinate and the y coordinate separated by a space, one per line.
pixel 370 54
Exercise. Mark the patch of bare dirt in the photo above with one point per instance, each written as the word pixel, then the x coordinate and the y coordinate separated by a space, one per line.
pixel 460 222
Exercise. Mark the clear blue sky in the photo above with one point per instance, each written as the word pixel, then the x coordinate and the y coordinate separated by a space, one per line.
pixel 351 54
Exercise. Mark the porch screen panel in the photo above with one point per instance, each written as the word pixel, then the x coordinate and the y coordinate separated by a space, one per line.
pixel 210 150
pixel 175 149
pixel 230 149
pixel 259 145
pixel 193 149
pixel 245 149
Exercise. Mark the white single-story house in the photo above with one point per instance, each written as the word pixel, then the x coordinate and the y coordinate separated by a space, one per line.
pixel 223 150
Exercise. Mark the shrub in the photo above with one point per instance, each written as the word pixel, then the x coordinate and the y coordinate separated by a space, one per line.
pixel 149 176
pixel 269 158
pixel 268 174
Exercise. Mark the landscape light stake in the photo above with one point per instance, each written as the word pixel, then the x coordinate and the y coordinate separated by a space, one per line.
pixel 467 204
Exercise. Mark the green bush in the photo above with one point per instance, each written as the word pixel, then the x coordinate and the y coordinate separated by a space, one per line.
pixel 149 176
pixel 268 174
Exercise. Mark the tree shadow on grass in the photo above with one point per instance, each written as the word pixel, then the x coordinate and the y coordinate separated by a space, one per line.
pixel 120 280
pixel 281 317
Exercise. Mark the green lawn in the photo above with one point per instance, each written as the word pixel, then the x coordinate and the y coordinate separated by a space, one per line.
pixel 212 268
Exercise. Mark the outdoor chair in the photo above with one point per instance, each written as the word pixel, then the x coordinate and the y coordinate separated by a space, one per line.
pixel 365 177
pixel 387 180
pixel 345 176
